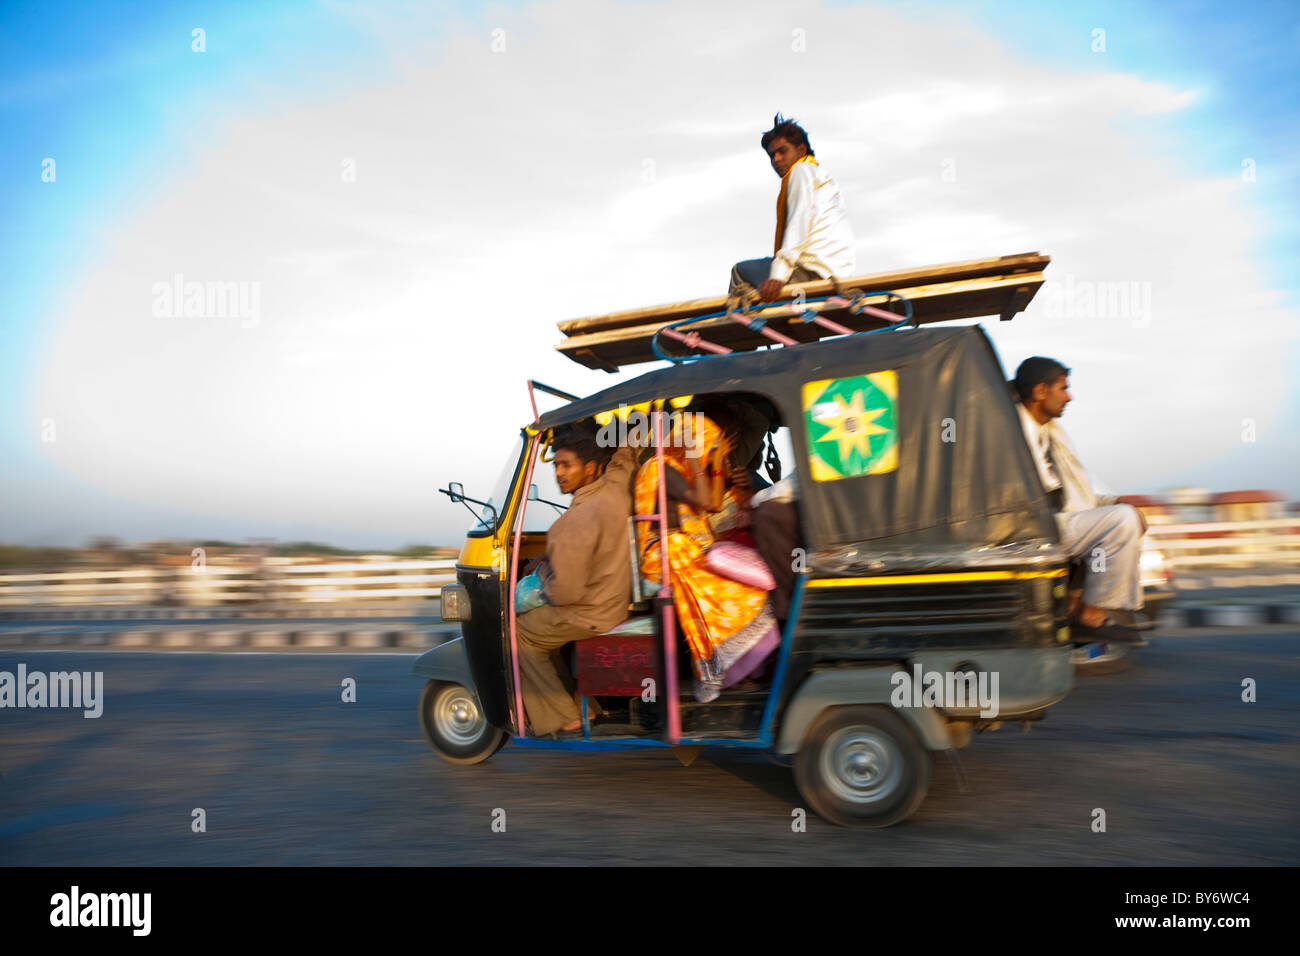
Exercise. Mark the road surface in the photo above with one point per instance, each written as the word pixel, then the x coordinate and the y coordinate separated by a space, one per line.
pixel 287 773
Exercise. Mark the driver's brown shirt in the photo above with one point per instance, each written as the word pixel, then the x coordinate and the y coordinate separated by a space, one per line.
pixel 587 574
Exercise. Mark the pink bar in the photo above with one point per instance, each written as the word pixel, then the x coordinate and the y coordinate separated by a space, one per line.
pixel 890 317
pixel 835 301
pixel 665 589
pixel 514 575
pixel 840 302
pixel 833 326
pixel 694 341
pixel 772 334
pixel 533 398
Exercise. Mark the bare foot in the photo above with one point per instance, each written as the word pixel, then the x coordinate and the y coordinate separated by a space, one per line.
pixel 577 724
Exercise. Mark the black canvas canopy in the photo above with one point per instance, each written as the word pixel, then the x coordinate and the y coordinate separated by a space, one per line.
pixel 907 444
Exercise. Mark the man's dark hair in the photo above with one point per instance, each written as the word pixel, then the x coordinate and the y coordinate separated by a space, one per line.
pixel 787 129
pixel 1037 370
pixel 580 438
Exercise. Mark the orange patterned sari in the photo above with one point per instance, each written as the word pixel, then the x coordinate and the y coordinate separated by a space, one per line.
pixel 721 619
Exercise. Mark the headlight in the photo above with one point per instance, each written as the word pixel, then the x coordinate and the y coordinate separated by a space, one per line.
pixel 454 600
pixel 1151 560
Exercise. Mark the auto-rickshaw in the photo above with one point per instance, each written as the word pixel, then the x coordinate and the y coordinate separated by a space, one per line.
pixel 930 549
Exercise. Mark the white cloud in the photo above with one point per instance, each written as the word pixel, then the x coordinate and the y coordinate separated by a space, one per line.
pixel 498 193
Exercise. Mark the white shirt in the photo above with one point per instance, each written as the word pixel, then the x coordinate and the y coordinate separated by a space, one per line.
pixel 817 235
pixel 787 489
pixel 1064 469
pixel 1039 441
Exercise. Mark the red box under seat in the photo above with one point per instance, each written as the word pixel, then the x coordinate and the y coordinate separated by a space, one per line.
pixel 614 665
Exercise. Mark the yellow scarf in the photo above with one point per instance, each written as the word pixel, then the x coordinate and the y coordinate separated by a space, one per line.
pixel 780 202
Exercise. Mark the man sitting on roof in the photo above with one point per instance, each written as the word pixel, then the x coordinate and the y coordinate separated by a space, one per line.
pixel 813 239
pixel 1106 534
pixel 585 573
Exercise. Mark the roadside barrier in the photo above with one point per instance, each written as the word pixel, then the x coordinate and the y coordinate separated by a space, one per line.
pixel 373 579
pixel 1273 542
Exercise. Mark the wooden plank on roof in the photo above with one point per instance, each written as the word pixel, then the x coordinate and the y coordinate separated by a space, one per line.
pixel 1017 301
pixel 937 302
pixel 897 280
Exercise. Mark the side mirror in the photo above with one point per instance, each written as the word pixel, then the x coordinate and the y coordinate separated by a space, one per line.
pixel 457 491
pixel 532 493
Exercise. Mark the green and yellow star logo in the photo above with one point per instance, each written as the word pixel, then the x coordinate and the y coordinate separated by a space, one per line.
pixel 852 425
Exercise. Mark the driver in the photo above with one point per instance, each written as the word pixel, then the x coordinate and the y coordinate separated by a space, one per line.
pixel 585 573
pixel 1107 534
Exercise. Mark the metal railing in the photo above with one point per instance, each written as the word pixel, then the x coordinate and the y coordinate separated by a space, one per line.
pixel 1228 544
pixel 384 579
pixel 377 578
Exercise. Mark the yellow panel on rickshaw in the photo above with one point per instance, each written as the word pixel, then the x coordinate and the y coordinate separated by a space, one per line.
pixel 852 425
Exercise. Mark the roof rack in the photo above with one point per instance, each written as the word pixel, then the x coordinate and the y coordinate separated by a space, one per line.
pixel 1000 285
pixel 803 310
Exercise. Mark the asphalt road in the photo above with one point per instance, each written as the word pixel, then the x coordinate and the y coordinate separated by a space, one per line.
pixel 289 774
pixel 1279 594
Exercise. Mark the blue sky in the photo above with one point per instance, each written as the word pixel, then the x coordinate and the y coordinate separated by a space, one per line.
pixel 97 86
pixel 1244 58
pixel 339 413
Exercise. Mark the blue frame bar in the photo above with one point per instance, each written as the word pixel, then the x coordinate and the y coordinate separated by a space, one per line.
pixel 574 743
pixel 631 743
pixel 767 733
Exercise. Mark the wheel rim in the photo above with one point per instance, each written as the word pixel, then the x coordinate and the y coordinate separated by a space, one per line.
pixel 457 717
pixel 861 765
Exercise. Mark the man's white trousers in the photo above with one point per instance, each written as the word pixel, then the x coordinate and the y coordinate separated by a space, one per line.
pixel 1109 541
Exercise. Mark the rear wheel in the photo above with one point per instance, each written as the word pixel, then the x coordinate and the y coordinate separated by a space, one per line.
pixel 454 724
pixel 862 766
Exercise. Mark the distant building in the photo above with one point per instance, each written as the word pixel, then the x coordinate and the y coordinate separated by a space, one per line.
pixel 1153 508
pixel 1190 505
pixel 1202 506
pixel 1248 506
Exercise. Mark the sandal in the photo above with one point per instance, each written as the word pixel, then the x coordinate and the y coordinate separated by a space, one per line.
pixel 1108 632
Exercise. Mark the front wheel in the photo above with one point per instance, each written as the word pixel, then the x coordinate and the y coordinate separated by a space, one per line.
pixel 863 767
pixel 454 724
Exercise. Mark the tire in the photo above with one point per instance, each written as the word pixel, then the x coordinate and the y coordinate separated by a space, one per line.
pixel 862 766
pixel 454 724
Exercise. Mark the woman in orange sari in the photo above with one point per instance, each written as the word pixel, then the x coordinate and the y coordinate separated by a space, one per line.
pixel 727 625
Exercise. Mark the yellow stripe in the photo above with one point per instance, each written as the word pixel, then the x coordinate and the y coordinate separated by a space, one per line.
pixel 931 578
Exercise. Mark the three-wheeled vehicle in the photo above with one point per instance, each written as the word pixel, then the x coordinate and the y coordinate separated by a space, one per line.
pixel 929 565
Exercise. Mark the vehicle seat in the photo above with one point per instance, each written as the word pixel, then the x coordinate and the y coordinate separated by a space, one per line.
pixel 615 663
